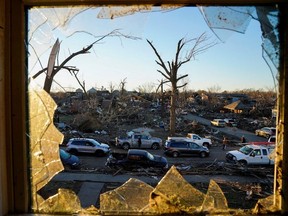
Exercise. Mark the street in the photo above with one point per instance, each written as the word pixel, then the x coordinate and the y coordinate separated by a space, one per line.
pixel 216 152
pixel 251 137
pixel 92 162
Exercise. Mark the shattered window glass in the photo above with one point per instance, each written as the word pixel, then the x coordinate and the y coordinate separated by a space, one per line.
pixel 172 194
pixel 219 20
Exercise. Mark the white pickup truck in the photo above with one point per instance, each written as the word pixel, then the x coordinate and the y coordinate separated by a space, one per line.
pixel 196 139
pixel 252 155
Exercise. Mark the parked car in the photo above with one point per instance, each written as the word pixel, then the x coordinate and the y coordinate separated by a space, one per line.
pixel 218 122
pixel 194 138
pixel 272 139
pixel 266 131
pixel 251 155
pixel 176 148
pixel 203 141
pixel 87 145
pixel 69 160
pixel 136 158
pixel 230 122
pixel 132 141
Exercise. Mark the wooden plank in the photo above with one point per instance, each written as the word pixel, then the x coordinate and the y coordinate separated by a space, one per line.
pixel 17 93
pixel 281 163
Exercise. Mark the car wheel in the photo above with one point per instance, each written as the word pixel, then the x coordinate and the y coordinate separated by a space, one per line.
pixel 202 154
pixel 99 153
pixel 155 146
pixel 206 145
pixel 175 154
pixel 243 163
pixel 126 146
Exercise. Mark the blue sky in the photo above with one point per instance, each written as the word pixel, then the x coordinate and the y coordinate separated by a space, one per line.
pixel 233 65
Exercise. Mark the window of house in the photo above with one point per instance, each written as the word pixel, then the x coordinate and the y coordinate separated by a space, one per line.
pixel 52 31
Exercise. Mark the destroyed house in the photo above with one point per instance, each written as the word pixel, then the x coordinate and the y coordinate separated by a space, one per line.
pixel 239 107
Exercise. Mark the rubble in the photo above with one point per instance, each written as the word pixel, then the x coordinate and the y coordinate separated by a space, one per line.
pixel 135 111
pixel 172 194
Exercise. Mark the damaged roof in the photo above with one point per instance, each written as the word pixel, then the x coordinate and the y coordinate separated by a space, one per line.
pixel 238 105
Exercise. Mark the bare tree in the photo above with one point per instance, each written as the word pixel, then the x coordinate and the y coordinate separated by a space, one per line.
pixel 214 89
pixel 111 87
pixel 122 86
pixel 171 70
pixel 146 87
pixel 51 70
pixel 160 86
pixel 82 85
pixel 185 80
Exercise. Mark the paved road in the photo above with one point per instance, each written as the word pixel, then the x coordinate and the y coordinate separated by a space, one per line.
pixel 251 137
pixel 216 154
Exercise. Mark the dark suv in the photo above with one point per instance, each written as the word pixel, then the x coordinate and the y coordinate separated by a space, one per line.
pixel 177 148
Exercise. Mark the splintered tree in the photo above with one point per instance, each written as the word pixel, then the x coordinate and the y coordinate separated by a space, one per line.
pixel 51 70
pixel 170 71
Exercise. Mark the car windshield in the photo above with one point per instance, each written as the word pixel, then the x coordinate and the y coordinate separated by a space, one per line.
pixel 95 142
pixel 150 156
pixel 64 155
pixel 245 150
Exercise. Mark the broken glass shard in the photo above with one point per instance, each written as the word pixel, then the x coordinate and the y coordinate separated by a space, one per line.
pixel 132 196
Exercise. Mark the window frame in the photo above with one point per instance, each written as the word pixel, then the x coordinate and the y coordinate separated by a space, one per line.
pixel 14 191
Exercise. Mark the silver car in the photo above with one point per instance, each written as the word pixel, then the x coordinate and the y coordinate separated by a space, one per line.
pixel 87 145
pixel 218 122
pixel 266 132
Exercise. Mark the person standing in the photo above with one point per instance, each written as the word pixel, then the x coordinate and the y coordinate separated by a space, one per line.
pixel 225 141
pixel 243 139
pixel 139 142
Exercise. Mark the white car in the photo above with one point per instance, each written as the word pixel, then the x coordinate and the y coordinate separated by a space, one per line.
pixel 87 145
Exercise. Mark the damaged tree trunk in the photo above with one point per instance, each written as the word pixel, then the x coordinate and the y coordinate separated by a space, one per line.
pixel 170 72
pixel 53 70
pixel 173 109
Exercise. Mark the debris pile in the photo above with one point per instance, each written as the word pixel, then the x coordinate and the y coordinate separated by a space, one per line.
pixel 116 114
